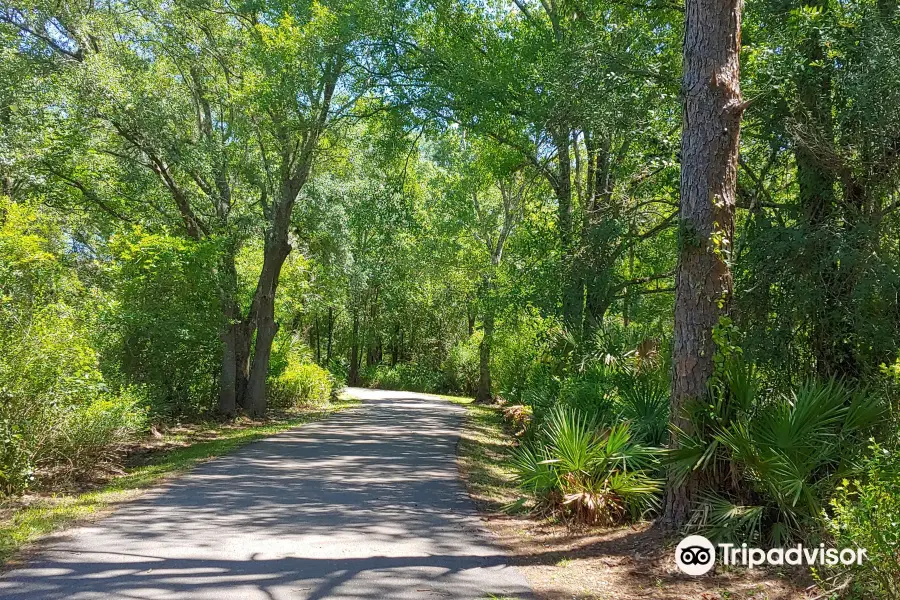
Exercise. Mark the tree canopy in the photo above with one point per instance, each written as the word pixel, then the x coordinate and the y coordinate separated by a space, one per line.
pixel 544 202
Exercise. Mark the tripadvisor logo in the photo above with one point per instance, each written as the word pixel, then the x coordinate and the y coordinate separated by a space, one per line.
pixel 696 555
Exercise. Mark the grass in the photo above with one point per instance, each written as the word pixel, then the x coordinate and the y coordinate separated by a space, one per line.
pixel 46 515
pixel 484 453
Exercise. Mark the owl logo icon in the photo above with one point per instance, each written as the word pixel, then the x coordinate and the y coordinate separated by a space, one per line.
pixel 695 555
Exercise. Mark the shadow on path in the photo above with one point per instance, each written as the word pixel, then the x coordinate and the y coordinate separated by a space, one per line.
pixel 364 505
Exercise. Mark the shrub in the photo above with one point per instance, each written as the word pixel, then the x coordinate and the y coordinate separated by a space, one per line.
pixel 517 356
pixel 593 474
pixel 63 440
pixel 644 402
pixel 460 368
pixel 82 437
pixel 783 452
pixel 866 514
pixel 411 377
pixel 57 414
pixel 626 349
pixel 165 322
pixel 339 370
pixel 16 466
pixel 300 384
pixel 519 415
pixel 590 392
pixel 542 392
pixel 608 395
pixel 614 374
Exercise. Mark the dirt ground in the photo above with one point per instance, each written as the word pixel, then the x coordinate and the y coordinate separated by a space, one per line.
pixel 628 563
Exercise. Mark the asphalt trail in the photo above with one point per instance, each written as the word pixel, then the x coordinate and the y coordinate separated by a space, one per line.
pixel 364 505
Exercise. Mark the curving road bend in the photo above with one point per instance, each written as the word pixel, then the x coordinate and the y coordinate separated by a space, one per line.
pixel 364 505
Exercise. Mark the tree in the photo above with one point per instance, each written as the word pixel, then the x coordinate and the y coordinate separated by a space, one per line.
pixel 487 189
pixel 818 174
pixel 513 190
pixel 709 161
pixel 251 92
pixel 553 83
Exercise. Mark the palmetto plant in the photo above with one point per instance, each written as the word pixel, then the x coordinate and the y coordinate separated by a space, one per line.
pixel 644 402
pixel 780 454
pixel 592 474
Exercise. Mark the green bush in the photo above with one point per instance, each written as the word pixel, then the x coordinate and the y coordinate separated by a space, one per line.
pixel 460 368
pixel 593 474
pixel 866 514
pixel 52 436
pixel 57 414
pixel 609 395
pixel 517 356
pixel 16 466
pixel 411 377
pixel 615 374
pixel 163 328
pixel 643 401
pixel 590 392
pixel 785 451
pixel 81 437
pixel 300 384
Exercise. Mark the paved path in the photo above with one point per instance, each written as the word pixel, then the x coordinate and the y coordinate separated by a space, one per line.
pixel 366 504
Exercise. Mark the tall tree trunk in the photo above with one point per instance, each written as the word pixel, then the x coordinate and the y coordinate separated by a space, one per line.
pixel 228 374
pixel 275 252
pixel 235 368
pixel 483 393
pixel 597 303
pixel 243 344
pixel 815 181
pixel 353 376
pixel 573 284
pixel 318 341
pixel 372 341
pixel 395 345
pixel 709 153
pixel 330 335
pixel 237 338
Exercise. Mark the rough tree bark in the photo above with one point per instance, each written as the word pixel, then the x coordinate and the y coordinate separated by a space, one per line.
pixel 709 159
pixel 228 377
pixel 275 252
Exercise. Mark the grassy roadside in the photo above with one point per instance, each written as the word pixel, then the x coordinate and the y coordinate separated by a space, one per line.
pixel 20 525
pixel 483 452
